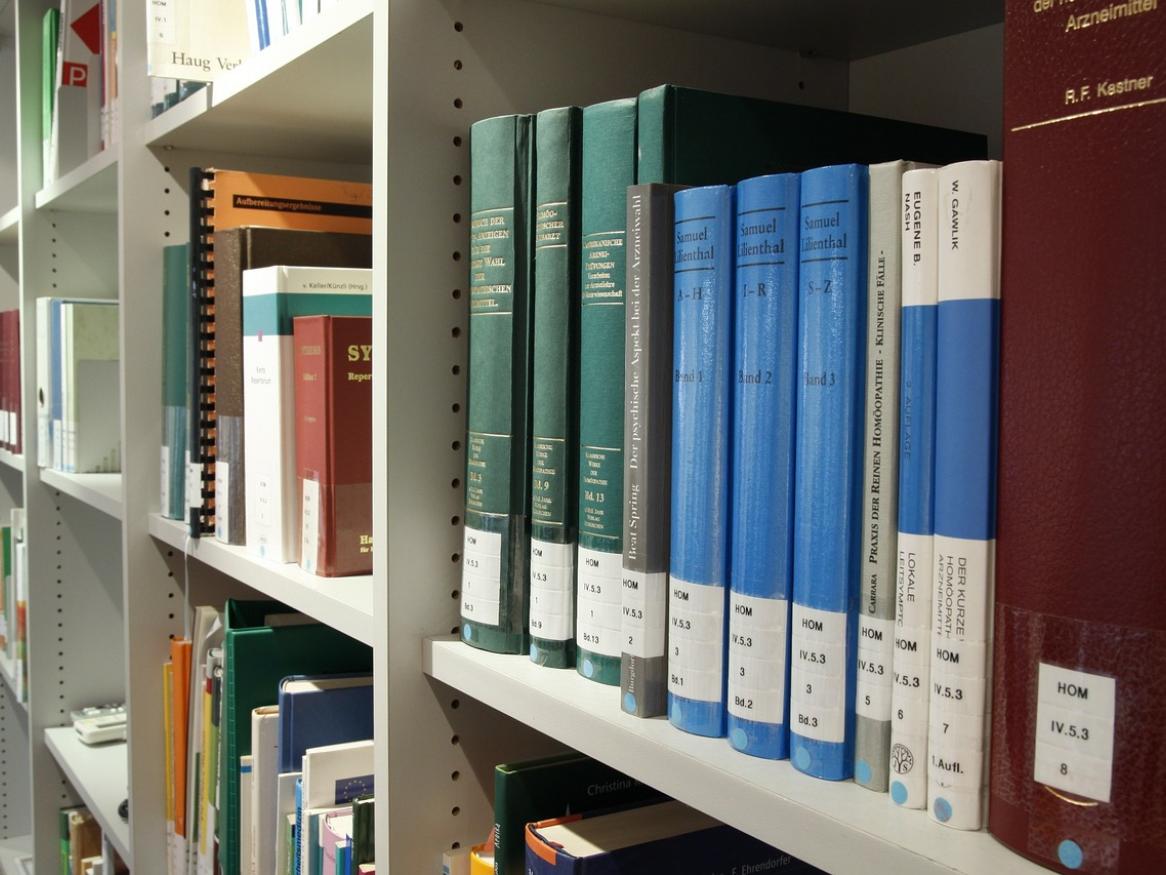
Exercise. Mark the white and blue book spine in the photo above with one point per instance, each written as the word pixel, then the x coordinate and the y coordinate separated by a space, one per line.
pixel 967 370
pixel 915 572
pixel 828 479
pixel 701 422
pixel 764 404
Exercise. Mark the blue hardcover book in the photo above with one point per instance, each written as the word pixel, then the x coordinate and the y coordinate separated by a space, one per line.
pixel 764 401
pixel 966 386
pixel 669 837
pixel 915 572
pixel 701 420
pixel 828 480
pixel 322 710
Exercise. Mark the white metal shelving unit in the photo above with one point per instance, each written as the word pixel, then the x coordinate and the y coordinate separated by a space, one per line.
pixel 386 90
pixel 99 775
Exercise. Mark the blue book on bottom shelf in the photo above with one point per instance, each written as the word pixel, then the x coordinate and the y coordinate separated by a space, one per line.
pixel 765 363
pixel 828 479
pixel 701 418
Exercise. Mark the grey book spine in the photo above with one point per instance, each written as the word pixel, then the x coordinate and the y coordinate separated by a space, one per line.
pixel 648 450
pixel 876 637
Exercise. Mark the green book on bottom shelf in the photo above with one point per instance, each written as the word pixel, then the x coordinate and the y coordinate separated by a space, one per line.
pixel 364 848
pixel 552 787
pixel 263 643
pixel 496 554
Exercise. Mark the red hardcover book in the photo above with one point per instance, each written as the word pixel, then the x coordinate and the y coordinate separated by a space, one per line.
pixel 6 407
pixel 333 373
pixel 1079 715
pixel 15 396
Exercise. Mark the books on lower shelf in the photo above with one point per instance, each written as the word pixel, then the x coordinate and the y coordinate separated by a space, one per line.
pixel 83 848
pixel 78 414
pixel 14 603
pixel 257 699
pixel 665 837
pixel 786 392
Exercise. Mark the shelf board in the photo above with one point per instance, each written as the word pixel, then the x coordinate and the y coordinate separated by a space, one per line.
pixel 307 96
pixel 8 673
pixel 88 188
pixel 99 774
pixel 842 29
pixel 10 226
pixel 101 491
pixel 344 603
pixel 828 824
pixel 13 851
pixel 11 459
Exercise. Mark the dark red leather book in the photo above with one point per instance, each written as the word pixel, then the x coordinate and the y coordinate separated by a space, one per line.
pixel 1079 712
pixel 15 438
pixel 5 378
pixel 333 409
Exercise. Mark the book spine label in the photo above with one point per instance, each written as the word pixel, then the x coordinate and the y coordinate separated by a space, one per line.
pixel 609 167
pixel 915 571
pixel 555 437
pixel 967 341
pixel 552 599
pixel 828 495
pixel 648 445
pixel 880 488
pixel 701 405
pixel 495 590
pixel 1075 713
pixel 764 375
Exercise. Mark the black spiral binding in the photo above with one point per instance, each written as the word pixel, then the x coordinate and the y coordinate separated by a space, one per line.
pixel 202 425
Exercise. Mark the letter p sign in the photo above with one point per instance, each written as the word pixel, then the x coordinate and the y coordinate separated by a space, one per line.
pixel 74 74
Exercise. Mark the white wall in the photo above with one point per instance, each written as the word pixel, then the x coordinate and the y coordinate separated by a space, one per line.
pixel 962 87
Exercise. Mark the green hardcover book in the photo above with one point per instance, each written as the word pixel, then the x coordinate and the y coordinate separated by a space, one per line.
pixel 63 832
pixel 552 787
pixel 364 838
pixel 555 436
pixel 609 167
pixel 49 32
pixel 263 643
pixel 495 561
pixel 694 137
pixel 175 312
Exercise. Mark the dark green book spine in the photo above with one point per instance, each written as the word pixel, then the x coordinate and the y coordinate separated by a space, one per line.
pixel 555 428
pixel 647 450
pixel 175 356
pixel 495 561
pixel 609 167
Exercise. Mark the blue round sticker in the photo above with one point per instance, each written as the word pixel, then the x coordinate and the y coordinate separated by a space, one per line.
pixel 942 810
pixel 1070 854
pixel 899 792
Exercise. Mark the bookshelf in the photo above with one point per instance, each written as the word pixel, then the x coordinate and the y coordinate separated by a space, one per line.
pixel 99 491
pixel 344 603
pixel 387 91
pixel 13 461
pixel 98 774
pixel 89 188
pixel 13 854
pixel 10 226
